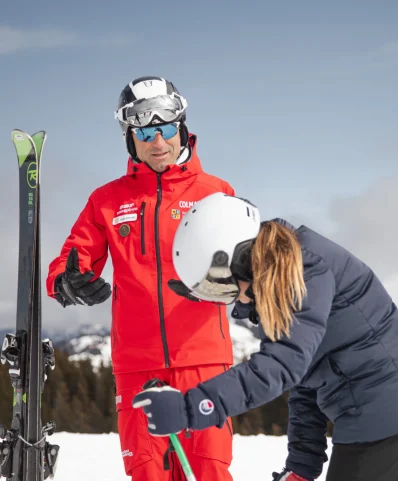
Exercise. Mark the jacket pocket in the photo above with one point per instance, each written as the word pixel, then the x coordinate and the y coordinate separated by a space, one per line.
pixel 135 440
pixel 142 220
pixel 336 397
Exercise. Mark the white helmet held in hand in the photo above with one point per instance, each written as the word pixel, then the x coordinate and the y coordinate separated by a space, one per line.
pixel 212 246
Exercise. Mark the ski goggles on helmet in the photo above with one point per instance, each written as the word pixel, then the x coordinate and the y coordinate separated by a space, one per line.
pixel 144 112
pixel 148 134
pixel 220 285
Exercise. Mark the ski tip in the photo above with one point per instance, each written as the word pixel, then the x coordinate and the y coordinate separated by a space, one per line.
pixel 24 145
pixel 16 132
pixel 20 137
pixel 40 133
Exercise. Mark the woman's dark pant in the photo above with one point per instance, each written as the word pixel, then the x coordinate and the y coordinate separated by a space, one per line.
pixel 376 461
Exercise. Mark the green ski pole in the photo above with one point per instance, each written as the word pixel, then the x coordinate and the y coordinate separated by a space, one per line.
pixel 186 467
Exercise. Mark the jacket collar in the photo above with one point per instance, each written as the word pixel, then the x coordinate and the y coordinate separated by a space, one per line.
pixel 186 169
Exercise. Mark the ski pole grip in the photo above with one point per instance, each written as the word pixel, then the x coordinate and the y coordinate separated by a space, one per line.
pixel 155 382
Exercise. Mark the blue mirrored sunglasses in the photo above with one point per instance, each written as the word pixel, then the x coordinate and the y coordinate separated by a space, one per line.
pixel 148 134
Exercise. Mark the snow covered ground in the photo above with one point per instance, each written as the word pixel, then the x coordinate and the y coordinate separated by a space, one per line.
pixel 97 457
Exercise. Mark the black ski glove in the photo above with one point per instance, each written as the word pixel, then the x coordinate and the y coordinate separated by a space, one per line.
pixel 72 287
pixel 182 290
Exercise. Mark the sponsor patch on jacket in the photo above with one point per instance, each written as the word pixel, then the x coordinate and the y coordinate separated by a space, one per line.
pixel 206 407
pixel 124 230
pixel 127 452
pixel 124 218
pixel 175 213
pixel 127 208
pixel 187 204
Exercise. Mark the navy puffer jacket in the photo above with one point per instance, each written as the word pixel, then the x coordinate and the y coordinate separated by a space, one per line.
pixel 340 362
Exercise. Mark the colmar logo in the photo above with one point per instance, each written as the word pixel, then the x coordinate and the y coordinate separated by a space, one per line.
pixel 184 206
pixel 187 204
pixel 206 407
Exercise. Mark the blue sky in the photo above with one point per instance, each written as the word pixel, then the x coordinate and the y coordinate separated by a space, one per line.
pixel 294 103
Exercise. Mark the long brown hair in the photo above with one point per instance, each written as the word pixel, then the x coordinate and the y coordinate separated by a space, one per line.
pixel 278 279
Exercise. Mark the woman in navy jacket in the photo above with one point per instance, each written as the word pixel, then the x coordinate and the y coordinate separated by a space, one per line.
pixel 331 338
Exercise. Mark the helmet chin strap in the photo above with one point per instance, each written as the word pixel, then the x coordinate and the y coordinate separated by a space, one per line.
pixel 130 145
pixel 185 155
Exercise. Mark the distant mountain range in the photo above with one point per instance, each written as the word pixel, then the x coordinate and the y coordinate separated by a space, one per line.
pixel 93 341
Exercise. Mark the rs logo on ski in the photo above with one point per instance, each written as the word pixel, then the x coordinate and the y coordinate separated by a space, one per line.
pixel 25 455
pixel 32 175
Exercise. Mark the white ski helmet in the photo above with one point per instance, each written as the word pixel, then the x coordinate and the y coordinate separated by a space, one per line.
pixel 212 245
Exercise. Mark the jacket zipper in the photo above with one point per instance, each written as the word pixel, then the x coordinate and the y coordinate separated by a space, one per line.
pixel 113 321
pixel 159 271
pixel 142 214
pixel 220 321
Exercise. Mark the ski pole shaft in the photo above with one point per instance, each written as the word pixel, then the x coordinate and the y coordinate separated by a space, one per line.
pixel 186 467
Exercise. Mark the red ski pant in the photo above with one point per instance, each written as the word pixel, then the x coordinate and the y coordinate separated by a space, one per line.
pixel 145 457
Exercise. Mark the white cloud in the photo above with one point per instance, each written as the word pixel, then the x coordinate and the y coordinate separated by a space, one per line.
pixel 347 64
pixel 391 284
pixel 382 57
pixel 14 39
pixel 388 52
pixel 367 226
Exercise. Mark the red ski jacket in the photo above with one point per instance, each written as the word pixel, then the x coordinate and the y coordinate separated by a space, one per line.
pixel 135 217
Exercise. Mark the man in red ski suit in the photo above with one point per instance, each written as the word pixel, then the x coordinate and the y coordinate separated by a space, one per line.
pixel 155 332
